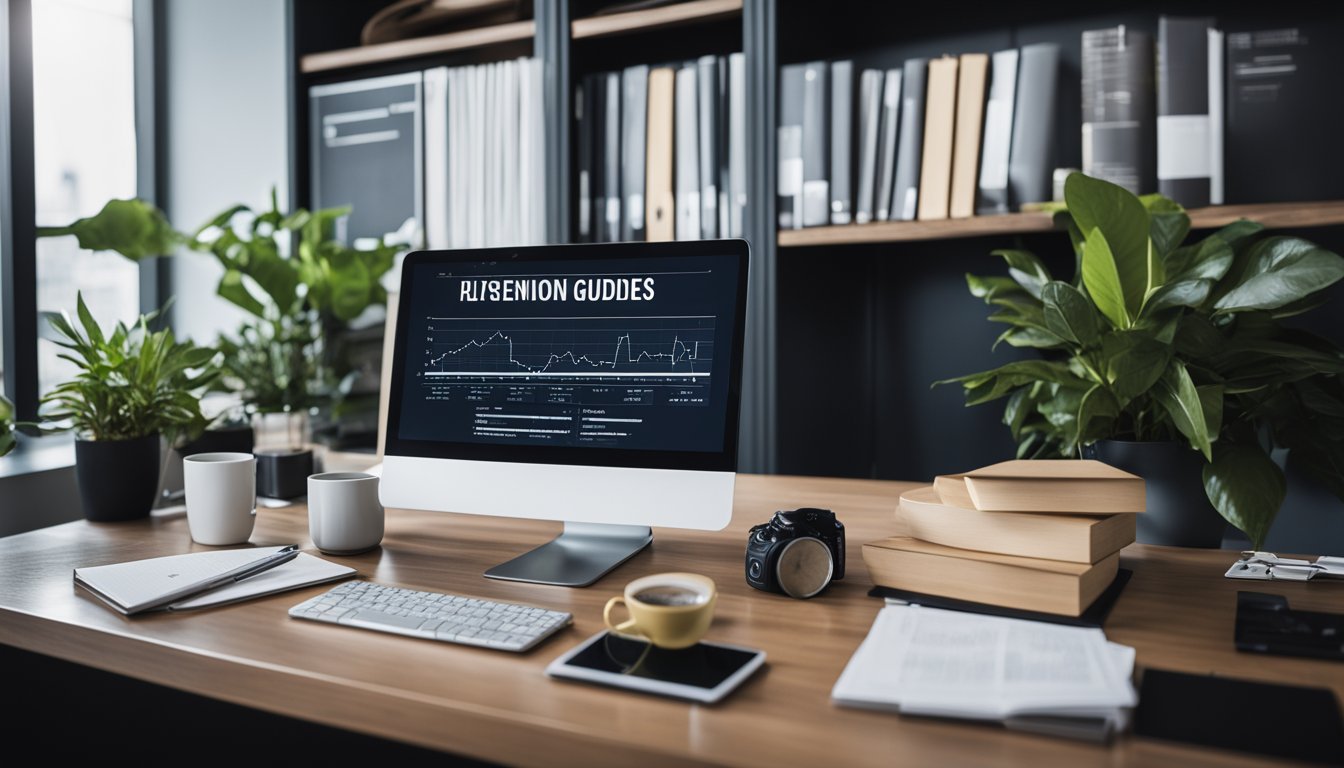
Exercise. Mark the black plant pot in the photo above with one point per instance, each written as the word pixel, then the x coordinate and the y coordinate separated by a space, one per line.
pixel 117 478
pixel 1179 513
pixel 237 438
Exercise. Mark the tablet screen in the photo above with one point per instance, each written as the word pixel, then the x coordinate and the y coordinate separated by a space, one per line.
pixel 700 666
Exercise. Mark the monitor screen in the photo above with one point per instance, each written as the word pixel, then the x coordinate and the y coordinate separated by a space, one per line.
pixel 626 354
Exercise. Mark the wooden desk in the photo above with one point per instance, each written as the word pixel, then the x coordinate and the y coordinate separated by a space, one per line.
pixel 1177 611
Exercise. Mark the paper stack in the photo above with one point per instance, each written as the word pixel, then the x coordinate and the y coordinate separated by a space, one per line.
pixel 1031 535
pixel 1045 678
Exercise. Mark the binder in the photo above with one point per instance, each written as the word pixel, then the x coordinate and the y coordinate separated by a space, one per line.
pixel 1184 128
pixel 611 161
pixel 707 106
pixel 634 130
pixel 1217 118
pixel 659 199
pixel 940 112
pixel 842 129
pixel 816 200
pixel 972 75
pixel 687 153
pixel 1031 160
pixel 887 148
pixel 905 194
pixel 583 132
pixel 790 147
pixel 1119 128
pixel 737 143
pixel 993 194
pixel 870 118
pixel 722 151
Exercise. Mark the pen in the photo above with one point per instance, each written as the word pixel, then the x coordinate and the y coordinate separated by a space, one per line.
pixel 247 570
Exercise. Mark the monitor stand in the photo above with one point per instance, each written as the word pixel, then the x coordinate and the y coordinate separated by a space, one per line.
pixel 579 556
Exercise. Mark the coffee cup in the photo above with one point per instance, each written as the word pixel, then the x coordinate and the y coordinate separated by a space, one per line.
pixel 669 610
pixel 221 496
pixel 344 514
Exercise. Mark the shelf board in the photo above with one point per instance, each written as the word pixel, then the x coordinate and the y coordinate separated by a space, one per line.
pixel 1272 215
pixel 692 12
pixel 396 50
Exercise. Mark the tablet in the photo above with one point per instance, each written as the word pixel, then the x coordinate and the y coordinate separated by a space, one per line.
pixel 705 672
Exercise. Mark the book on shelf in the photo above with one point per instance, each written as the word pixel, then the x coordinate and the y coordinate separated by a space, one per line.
pixel 923 515
pixel 659 195
pixel 610 213
pixel 1217 118
pixel 1283 115
pixel 686 151
pixel 1025 583
pixel 998 134
pixel 1185 143
pixel 910 142
pixel 816 200
pixel 634 132
pixel 940 114
pixel 972 77
pixel 842 142
pixel 790 147
pixel 1067 486
pixel 887 147
pixel 583 172
pixel 1119 128
pixel 707 120
pixel 1031 156
pixel 869 129
pixel 737 143
pixel 723 146
pixel 366 144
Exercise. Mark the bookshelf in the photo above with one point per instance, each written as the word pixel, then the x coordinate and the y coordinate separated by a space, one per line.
pixel 1272 215
pixel 886 301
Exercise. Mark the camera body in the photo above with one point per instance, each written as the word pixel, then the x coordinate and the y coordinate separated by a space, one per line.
pixel 798 553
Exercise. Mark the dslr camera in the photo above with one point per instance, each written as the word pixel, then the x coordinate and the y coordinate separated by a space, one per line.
pixel 798 553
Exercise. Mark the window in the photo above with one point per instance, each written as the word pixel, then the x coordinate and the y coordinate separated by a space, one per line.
pixel 84 154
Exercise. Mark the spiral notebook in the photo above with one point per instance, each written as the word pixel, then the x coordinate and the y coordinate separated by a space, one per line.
pixel 126 587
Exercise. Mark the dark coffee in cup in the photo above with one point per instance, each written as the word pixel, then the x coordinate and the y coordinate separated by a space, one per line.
pixel 670 596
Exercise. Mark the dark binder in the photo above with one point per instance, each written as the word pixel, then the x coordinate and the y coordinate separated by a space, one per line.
pixel 869 133
pixel 722 151
pixel 889 121
pixel 1284 115
pixel 634 130
pixel 597 85
pixel 910 147
pixel 370 163
pixel 1184 154
pixel 1119 127
pixel 816 146
pixel 842 142
pixel 1031 160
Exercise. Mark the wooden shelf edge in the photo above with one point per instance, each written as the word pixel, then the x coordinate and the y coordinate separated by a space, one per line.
pixel 1272 215
pixel 654 18
pixel 480 37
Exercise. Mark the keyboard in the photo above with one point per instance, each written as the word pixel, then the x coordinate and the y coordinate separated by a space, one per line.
pixel 433 616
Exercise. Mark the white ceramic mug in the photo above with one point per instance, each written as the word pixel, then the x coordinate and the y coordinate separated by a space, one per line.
pixel 344 514
pixel 221 491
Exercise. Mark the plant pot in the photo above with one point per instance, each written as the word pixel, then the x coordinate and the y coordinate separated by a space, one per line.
pixel 234 438
pixel 117 478
pixel 1179 513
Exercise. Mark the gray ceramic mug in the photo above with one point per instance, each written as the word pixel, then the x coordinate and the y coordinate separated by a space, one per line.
pixel 344 514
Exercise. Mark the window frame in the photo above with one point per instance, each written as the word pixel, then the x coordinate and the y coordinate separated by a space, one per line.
pixel 18 212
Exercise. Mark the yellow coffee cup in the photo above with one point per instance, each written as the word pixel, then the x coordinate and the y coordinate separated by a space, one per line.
pixel 670 610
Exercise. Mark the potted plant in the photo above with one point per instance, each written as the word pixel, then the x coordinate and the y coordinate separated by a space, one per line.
pixel 7 438
pixel 1171 360
pixel 133 386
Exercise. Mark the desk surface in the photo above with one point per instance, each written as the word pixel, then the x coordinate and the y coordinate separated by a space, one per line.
pixel 1177 611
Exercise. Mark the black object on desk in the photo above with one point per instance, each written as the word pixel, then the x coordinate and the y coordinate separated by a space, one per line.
pixel 1094 616
pixel 1265 624
pixel 1288 721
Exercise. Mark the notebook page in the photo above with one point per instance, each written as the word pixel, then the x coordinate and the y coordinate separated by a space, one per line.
pixel 299 572
pixel 141 581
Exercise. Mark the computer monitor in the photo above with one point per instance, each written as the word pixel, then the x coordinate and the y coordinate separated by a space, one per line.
pixel 598 385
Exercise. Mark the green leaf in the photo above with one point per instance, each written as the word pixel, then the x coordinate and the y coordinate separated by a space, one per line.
pixel 1211 402
pixel 1281 270
pixel 351 285
pixel 86 319
pixel 1101 278
pixel 1102 206
pixel 1186 293
pixel 1238 232
pixel 991 385
pixel 277 277
pixel 1170 224
pixel 988 288
pixel 1028 337
pixel 1026 270
pixel 1177 395
pixel 1069 314
pixel 1209 258
pixel 231 287
pixel 1246 487
pixel 1097 414
pixel 133 228
pixel 1133 362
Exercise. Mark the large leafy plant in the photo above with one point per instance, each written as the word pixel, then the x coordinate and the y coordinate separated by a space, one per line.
pixel 298 282
pixel 130 383
pixel 1157 339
